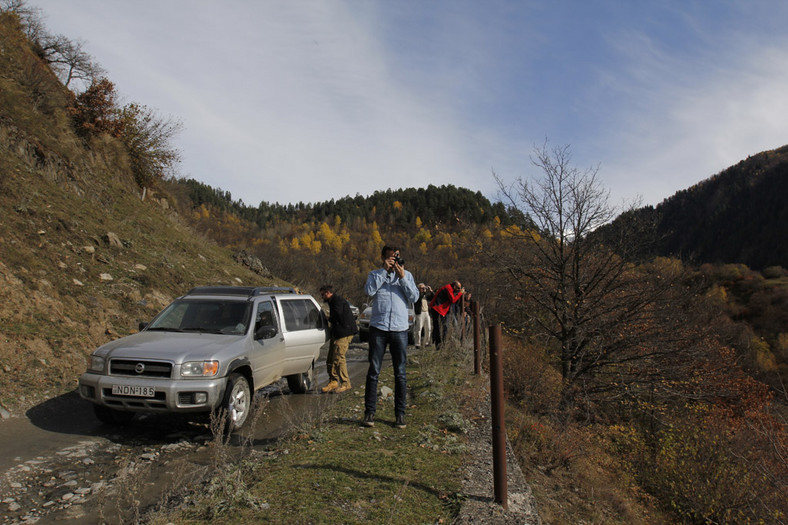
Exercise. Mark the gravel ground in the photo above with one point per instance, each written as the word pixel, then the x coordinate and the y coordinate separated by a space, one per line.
pixel 478 485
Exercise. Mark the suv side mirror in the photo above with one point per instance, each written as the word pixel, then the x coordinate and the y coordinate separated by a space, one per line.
pixel 265 332
pixel 142 325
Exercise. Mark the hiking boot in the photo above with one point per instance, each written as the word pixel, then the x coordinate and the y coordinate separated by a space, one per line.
pixel 332 385
pixel 369 420
pixel 400 423
pixel 344 387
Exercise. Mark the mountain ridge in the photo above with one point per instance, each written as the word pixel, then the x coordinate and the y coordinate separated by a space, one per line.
pixel 737 216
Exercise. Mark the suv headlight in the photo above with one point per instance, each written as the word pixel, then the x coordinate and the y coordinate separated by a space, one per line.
pixel 96 363
pixel 200 369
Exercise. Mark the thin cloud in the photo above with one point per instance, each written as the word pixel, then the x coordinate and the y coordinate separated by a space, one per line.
pixel 316 100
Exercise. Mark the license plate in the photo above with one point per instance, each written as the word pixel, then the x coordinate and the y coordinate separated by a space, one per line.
pixel 130 390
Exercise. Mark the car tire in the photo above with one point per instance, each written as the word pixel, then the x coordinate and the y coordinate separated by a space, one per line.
pixel 237 402
pixel 110 416
pixel 363 336
pixel 303 382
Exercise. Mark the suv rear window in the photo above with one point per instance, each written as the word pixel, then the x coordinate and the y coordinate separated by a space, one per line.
pixel 300 314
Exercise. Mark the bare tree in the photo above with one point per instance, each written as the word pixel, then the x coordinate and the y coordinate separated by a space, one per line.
pixel 67 57
pixel 30 17
pixel 69 60
pixel 598 310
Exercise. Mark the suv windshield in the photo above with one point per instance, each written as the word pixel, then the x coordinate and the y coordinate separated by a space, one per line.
pixel 204 315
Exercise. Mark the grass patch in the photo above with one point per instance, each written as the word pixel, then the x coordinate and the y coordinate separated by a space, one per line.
pixel 337 471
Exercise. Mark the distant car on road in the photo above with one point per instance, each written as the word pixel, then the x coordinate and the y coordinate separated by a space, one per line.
pixel 363 324
pixel 209 350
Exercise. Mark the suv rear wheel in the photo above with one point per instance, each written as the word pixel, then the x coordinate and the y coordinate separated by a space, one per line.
pixel 303 382
pixel 237 403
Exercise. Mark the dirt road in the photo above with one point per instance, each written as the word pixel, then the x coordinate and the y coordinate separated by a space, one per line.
pixel 60 464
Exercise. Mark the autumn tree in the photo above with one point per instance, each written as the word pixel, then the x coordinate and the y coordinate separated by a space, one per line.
pixel 148 138
pixel 592 305
pixel 95 110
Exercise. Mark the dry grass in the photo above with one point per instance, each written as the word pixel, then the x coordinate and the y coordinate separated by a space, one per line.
pixel 333 470
pixel 574 476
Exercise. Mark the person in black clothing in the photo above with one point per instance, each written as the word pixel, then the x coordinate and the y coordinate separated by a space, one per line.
pixel 342 328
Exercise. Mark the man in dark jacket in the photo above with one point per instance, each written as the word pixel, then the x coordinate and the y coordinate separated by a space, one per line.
pixel 343 328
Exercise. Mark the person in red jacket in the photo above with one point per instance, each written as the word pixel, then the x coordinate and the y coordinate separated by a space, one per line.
pixel 440 306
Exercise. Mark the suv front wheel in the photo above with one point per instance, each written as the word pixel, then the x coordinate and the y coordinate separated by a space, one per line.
pixel 237 402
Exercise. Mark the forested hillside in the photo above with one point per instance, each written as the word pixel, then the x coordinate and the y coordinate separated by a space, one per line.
pixel 736 216
pixel 437 228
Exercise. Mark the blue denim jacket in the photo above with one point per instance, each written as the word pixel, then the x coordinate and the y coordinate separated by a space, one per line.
pixel 390 299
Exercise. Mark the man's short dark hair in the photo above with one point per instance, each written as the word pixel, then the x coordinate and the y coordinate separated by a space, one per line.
pixel 327 288
pixel 388 248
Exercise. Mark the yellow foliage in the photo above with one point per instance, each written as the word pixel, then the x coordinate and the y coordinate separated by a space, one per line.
pixel 763 356
pixel 719 293
pixel 307 238
pixel 782 345
pixel 511 231
pixel 377 239
pixel 315 247
pixel 669 265
pixel 418 222
pixel 423 236
pixel 534 235
pixel 443 240
pixel 397 205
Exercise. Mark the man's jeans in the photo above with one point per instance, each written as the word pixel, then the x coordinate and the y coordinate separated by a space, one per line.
pixel 398 344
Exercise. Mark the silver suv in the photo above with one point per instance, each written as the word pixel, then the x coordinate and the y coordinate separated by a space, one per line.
pixel 209 350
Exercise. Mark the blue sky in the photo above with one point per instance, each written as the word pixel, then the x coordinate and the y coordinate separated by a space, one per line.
pixel 288 101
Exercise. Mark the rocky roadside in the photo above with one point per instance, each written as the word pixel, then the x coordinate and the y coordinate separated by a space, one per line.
pixel 478 487
pixel 93 477
pixel 36 489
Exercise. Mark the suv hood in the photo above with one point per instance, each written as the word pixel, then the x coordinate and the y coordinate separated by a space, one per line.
pixel 172 346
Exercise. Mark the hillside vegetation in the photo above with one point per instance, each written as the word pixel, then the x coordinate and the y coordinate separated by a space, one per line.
pixel 83 258
pixel 736 216
pixel 640 389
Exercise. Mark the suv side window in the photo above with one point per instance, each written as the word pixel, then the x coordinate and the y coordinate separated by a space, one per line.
pixel 265 318
pixel 300 314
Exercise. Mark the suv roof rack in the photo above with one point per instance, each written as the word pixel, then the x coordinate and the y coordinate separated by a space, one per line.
pixel 246 291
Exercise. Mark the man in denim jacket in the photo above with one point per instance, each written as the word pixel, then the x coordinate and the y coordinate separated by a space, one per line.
pixel 392 289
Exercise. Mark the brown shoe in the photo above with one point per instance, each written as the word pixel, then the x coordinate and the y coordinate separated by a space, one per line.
pixel 332 385
pixel 344 387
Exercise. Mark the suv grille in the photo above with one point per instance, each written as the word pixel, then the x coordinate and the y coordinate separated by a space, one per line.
pixel 135 368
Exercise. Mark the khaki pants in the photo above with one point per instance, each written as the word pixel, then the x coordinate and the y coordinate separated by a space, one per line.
pixel 421 323
pixel 335 361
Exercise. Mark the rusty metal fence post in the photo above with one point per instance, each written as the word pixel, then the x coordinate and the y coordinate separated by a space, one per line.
pixel 477 352
pixel 498 423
